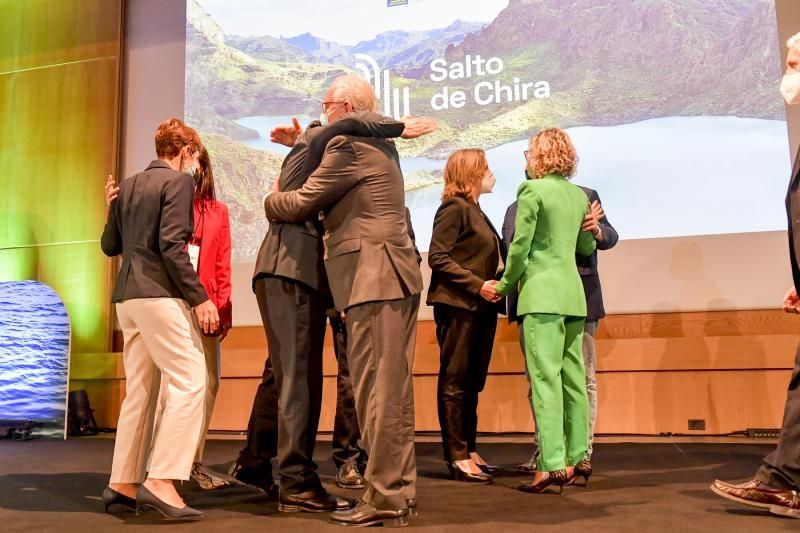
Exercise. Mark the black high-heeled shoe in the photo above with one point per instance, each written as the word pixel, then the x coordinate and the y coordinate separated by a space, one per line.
pixel 112 497
pixel 145 498
pixel 558 478
pixel 468 477
pixel 582 469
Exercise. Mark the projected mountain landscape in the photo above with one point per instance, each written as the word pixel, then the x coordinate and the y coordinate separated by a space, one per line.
pixel 618 73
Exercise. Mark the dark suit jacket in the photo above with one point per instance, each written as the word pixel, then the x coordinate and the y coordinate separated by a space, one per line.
pixel 465 251
pixel 295 251
pixel 587 265
pixel 793 216
pixel 149 224
pixel 368 252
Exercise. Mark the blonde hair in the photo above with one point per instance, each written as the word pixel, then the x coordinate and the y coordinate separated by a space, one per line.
pixel 552 152
pixel 464 170
pixel 793 41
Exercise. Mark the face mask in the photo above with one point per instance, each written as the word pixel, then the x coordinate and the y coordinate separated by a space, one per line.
pixel 487 183
pixel 790 88
pixel 323 118
pixel 192 170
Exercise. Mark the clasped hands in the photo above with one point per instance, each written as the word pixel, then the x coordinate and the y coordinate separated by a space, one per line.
pixel 489 291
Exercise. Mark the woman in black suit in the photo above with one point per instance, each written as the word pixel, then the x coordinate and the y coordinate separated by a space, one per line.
pixel 465 250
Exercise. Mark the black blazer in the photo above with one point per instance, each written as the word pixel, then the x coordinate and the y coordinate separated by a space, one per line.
pixel 587 265
pixel 295 251
pixel 793 216
pixel 465 251
pixel 149 224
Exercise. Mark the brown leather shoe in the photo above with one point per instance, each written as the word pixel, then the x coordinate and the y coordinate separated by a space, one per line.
pixel 755 494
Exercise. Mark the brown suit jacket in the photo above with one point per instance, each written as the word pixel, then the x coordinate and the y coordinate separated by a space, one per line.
pixel 369 255
pixel 294 251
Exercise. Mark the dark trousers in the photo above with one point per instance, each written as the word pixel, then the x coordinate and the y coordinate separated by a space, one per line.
pixel 294 321
pixel 380 353
pixel 465 343
pixel 781 468
pixel 262 429
pixel 346 433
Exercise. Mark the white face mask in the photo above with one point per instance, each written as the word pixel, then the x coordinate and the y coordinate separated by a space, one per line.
pixel 487 183
pixel 323 118
pixel 790 88
pixel 192 169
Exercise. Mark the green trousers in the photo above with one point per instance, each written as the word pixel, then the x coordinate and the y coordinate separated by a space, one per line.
pixel 555 362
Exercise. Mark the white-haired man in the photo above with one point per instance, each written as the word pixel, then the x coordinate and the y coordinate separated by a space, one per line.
pixel 375 279
pixel 776 484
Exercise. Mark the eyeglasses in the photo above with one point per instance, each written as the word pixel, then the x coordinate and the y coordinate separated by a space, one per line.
pixel 527 154
pixel 326 105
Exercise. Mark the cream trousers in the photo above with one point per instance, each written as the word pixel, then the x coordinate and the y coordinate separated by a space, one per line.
pixel 161 339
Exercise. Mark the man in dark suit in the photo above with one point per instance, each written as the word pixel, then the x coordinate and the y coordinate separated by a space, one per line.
pixel 292 291
pixel 375 279
pixel 776 484
pixel 606 237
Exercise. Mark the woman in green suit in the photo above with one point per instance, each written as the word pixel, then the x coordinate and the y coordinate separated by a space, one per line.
pixel 552 303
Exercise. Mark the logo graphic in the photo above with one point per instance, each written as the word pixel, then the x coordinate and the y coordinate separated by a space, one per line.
pixel 391 97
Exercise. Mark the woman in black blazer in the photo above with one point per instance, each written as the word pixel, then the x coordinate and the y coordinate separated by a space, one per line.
pixel 465 251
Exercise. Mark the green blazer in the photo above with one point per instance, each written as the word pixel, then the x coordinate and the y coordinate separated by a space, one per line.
pixel 542 255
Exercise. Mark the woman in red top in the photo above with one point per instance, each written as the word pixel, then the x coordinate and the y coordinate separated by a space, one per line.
pixel 212 234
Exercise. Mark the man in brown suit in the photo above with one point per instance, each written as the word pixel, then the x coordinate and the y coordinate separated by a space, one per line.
pixel 375 279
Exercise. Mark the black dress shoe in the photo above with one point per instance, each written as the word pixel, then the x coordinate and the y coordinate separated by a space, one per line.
pixel 262 480
pixel 468 477
pixel 145 498
pixel 112 497
pixel 348 477
pixel 317 500
pixel 488 469
pixel 365 515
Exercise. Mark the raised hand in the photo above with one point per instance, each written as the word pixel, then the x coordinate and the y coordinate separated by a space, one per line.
pixel 417 126
pixel 592 219
pixel 286 134
pixel 112 191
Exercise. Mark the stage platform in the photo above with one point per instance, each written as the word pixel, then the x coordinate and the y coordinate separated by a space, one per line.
pixel 55 486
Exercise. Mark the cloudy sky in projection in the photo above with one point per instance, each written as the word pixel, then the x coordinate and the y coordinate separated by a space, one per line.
pixel 333 21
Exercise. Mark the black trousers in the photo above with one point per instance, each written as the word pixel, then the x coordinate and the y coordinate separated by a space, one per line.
pixel 262 429
pixel 465 343
pixel 781 468
pixel 346 433
pixel 294 321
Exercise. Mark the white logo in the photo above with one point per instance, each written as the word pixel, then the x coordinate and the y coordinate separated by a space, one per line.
pixel 390 97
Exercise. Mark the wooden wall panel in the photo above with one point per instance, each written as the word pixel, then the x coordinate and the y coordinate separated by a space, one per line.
pixel 654 373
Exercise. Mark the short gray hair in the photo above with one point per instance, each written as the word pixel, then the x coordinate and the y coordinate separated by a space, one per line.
pixel 357 91
pixel 793 41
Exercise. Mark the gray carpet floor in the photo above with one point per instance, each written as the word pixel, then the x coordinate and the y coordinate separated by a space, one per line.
pixel 55 486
